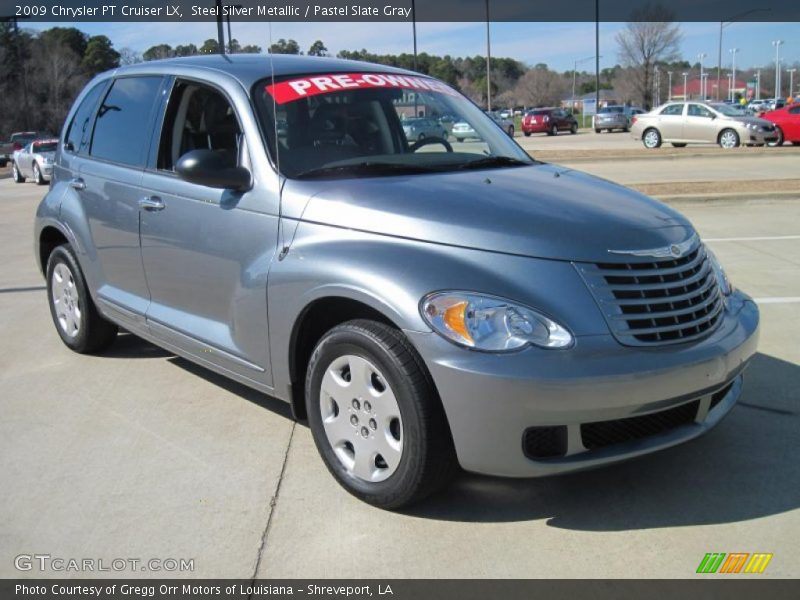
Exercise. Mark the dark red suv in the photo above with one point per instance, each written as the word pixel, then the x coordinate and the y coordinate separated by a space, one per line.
pixel 549 121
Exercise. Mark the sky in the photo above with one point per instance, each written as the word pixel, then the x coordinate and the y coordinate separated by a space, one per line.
pixel 556 44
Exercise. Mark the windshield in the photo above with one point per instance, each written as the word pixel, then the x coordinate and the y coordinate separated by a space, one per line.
pixel 377 124
pixel 728 110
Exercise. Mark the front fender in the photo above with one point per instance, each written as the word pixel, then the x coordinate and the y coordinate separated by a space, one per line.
pixel 391 275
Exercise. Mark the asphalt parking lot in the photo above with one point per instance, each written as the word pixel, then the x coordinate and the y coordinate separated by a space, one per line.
pixel 139 453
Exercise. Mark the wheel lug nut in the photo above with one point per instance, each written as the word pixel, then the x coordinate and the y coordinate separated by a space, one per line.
pixel 365 432
pixel 354 420
pixel 367 406
pixel 373 424
pixel 356 404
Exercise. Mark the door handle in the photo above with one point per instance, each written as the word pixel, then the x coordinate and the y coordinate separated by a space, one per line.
pixel 152 203
pixel 77 184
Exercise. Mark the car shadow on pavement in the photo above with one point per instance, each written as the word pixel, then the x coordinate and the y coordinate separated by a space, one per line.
pixel 747 467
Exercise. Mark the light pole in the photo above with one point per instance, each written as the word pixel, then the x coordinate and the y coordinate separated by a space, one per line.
pixel 574 72
pixel 777 44
pixel 791 81
pixel 655 86
pixel 669 93
pixel 685 75
pixel 723 25
pixel 704 85
pixel 701 56
pixel 758 84
pixel 732 91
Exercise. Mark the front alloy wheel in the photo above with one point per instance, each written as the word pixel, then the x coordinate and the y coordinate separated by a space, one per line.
pixel 18 178
pixel 729 139
pixel 37 175
pixel 375 416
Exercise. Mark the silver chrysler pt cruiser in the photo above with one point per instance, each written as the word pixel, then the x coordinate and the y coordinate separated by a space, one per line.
pixel 426 304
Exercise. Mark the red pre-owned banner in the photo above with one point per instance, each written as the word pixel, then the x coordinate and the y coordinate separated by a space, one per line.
pixel 312 85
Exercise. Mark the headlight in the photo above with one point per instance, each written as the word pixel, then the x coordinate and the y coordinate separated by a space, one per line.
pixel 722 279
pixel 491 324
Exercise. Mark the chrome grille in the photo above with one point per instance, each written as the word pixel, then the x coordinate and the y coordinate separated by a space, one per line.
pixel 659 302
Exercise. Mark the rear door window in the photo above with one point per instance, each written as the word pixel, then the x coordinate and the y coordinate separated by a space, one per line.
pixel 122 129
pixel 673 109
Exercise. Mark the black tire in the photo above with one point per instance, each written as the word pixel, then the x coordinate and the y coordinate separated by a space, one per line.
pixel 527 133
pixel 553 130
pixel 428 458
pixel 737 140
pixel 573 129
pixel 94 333
pixel 598 131
pixel 420 137
pixel 18 178
pixel 779 141
pixel 651 138
pixel 510 131
pixel 37 175
pixel 678 145
pixel 458 139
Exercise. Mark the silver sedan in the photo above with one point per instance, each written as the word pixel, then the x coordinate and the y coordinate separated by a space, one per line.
pixel 35 161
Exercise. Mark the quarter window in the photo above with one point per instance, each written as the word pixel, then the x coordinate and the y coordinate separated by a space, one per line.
pixel 122 131
pixel 80 128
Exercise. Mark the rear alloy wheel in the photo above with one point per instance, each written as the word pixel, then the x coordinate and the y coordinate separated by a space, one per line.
pixel 77 321
pixel 779 141
pixel 651 138
pixel 420 137
pixel 511 131
pixel 573 129
pixel 554 130
pixel 18 178
pixel 728 139
pixel 375 416
pixel 37 175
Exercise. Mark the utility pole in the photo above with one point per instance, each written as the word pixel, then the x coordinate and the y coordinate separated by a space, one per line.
pixel 777 44
pixel 414 33
pixel 655 86
pixel 685 75
pixel 758 84
pixel 669 93
pixel 731 90
pixel 791 81
pixel 488 61
pixel 701 56
pixel 596 55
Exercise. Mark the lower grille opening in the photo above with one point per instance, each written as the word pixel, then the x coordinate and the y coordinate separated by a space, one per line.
pixel 618 431
pixel 717 397
pixel 545 442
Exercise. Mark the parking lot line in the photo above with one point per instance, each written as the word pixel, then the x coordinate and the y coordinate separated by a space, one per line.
pixel 768 238
pixel 778 300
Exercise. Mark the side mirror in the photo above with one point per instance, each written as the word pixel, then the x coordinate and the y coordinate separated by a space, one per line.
pixel 213 168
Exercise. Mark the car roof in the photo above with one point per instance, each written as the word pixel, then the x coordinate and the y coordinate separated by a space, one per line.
pixel 250 68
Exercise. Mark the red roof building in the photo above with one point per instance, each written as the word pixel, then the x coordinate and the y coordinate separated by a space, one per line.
pixel 693 88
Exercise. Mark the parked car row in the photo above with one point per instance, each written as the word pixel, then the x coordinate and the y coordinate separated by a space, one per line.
pixel 682 123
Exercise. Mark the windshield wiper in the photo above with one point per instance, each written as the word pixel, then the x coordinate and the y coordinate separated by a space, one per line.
pixel 370 168
pixel 495 161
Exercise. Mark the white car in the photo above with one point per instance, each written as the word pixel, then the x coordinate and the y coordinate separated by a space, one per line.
pixel 34 161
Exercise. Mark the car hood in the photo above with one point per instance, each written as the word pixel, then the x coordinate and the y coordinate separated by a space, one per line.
pixel 542 211
pixel 753 120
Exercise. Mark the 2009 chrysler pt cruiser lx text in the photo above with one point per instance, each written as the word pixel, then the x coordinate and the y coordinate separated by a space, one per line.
pixel 424 303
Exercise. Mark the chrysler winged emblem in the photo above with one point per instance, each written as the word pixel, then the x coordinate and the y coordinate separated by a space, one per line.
pixel 673 250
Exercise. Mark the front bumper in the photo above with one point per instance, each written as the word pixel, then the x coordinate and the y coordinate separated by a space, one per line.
pixel 492 399
pixel 759 137
pixel 536 127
